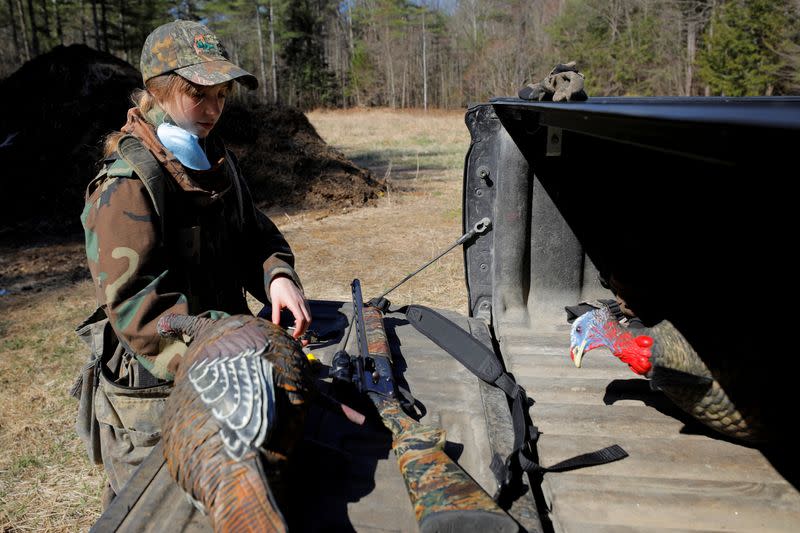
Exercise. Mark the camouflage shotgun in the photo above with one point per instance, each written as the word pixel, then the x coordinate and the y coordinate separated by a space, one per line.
pixel 445 498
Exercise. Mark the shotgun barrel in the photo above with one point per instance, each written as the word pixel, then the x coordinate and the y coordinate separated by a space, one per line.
pixel 445 498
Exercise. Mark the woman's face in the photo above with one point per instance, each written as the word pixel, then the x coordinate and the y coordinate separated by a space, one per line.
pixel 198 110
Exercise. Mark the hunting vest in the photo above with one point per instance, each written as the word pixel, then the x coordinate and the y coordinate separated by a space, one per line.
pixel 201 234
pixel 120 402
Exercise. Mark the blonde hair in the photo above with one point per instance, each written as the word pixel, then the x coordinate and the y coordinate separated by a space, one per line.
pixel 158 89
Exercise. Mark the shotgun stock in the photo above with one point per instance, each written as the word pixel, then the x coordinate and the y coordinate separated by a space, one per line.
pixel 445 498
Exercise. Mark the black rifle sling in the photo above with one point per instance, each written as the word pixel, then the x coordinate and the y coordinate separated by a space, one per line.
pixel 485 364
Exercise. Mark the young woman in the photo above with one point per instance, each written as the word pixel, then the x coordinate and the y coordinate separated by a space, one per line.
pixel 171 227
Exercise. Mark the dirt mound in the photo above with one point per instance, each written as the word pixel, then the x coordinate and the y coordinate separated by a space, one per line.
pixel 288 164
pixel 56 107
pixel 60 105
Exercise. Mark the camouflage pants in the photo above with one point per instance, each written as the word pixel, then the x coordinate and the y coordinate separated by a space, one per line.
pixel 129 419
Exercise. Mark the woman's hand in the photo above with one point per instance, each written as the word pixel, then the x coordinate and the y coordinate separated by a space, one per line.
pixel 283 293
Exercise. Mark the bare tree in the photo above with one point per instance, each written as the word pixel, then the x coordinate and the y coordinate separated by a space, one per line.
pixel 695 15
pixel 96 25
pixel 262 62
pixel 424 65
pixel 11 18
pixel 272 52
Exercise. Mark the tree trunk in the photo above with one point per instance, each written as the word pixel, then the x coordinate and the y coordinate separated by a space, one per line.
pixel 443 96
pixel 59 25
pixel 96 25
pixel 14 28
pixel 424 67
pixel 46 30
pixel 122 34
pixel 352 46
pixel 34 31
pixel 403 101
pixel 21 15
pixel 343 81
pixel 691 41
pixel 262 62
pixel 105 24
pixel 474 20
pixel 272 51
pixel 234 52
pixel 710 38
pixel 81 8
pixel 613 23
pixel 474 26
pixel 390 70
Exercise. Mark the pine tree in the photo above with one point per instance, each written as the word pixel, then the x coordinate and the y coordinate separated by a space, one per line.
pixel 311 83
pixel 746 53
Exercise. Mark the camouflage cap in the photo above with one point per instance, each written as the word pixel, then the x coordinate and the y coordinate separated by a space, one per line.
pixel 191 50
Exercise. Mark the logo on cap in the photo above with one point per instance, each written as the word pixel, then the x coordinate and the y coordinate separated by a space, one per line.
pixel 204 44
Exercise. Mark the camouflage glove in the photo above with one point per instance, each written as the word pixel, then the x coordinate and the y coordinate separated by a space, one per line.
pixel 564 83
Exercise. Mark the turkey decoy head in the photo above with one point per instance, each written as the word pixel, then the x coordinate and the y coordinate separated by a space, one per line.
pixel 598 328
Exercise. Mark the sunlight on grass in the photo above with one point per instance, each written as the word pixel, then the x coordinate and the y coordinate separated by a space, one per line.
pixel 435 141
pixel 419 217
pixel 46 482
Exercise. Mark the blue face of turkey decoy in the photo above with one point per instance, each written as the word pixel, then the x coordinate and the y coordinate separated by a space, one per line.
pixel 598 328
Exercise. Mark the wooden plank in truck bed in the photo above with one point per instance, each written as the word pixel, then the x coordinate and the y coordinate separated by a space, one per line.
pixel 679 476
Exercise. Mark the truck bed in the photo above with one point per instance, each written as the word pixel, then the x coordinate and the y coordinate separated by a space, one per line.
pixel 678 476
pixel 346 476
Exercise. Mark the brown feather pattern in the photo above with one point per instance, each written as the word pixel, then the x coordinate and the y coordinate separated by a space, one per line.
pixel 237 495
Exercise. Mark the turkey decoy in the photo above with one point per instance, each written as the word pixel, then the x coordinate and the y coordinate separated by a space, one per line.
pixel 707 391
pixel 236 412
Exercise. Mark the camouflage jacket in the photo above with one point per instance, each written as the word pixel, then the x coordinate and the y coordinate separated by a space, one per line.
pixel 208 246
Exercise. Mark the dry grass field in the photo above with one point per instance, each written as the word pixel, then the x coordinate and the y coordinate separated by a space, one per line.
pixel 421 157
pixel 46 483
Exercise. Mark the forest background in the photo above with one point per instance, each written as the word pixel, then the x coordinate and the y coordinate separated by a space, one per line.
pixel 445 53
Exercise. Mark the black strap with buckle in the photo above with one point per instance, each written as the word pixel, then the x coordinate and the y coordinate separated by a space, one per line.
pixel 485 364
